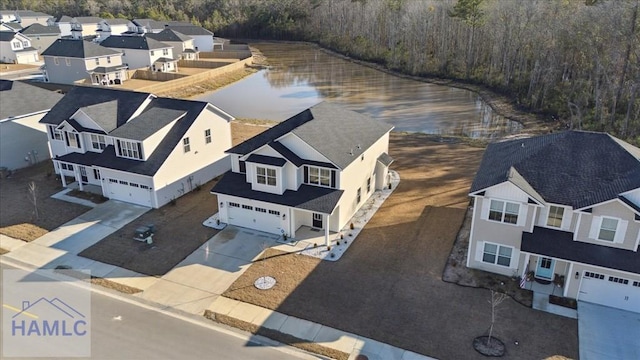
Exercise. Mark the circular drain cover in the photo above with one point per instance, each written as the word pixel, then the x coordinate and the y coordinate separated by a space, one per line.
pixel 264 282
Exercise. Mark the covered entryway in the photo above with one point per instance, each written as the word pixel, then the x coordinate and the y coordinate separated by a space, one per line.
pixel 317 221
pixel 544 269
pixel 254 217
pixel 128 191
pixel 616 292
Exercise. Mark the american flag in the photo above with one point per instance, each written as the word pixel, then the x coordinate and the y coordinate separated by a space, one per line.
pixel 523 278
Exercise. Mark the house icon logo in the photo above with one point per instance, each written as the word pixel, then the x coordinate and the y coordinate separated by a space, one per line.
pixel 48 318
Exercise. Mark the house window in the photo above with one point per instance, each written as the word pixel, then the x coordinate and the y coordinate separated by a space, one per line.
pixel 359 196
pixel 618 280
pixel 207 136
pixel 247 207
pixel 496 254
pixel 319 176
pixel 262 210
pixel 16 44
pixel 72 139
pixel 144 187
pixel 56 61
pixel 108 59
pixel 555 216
pixel 608 229
pixel 368 185
pixel 233 204
pixel 185 144
pixel 97 61
pixel 165 52
pixel 274 212
pixel 64 166
pixel 129 149
pixel 114 181
pixel 98 142
pixel 266 176
pixel 96 174
pixel 151 52
pixel 504 211
pixel 122 182
pixel 67 61
pixel 25 43
pixel 134 185
pixel 243 166
pixel 55 134
pixel 594 275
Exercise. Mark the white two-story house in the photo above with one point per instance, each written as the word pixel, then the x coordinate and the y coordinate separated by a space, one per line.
pixel 141 52
pixel 108 27
pixel 68 61
pixel 28 17
pixel 315 169
pixel 183 45
pixel 135 146
pixel 63 23
pixel 16 48
pixel 563 209
pixel 83 27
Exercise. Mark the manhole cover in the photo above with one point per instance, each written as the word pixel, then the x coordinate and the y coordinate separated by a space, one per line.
pixel 265 282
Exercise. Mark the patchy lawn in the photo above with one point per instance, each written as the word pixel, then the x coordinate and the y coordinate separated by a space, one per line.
pixel 5 68
pixel 17 213
pixel 388 286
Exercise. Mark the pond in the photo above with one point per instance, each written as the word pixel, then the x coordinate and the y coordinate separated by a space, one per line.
pixel 302 75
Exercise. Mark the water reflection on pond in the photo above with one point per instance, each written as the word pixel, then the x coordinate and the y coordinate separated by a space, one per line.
pixel 301 76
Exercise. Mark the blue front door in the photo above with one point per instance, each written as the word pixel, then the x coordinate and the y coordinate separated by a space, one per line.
pixel 544 270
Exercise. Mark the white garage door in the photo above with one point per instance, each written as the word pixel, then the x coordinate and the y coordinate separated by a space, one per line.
pixel 617 292
pixel 129 192
pixel 262 219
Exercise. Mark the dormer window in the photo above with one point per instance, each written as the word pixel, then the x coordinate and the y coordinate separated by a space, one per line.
pixel 165 52
pixel 319 176
pixel 608 229
pixel 129 149
pixel 98 142
pixel 266 176
pixel 555 216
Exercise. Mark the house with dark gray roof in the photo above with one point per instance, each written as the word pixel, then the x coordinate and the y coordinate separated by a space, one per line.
pixel 141 52
pixel 136 147
pixel 311 172
pixel 16 48
pixel 84 26
pixel 108 27
pixel 10 26
pixel 28 17
pixel 23 140
pixel 8 16
pixel 41 36
pixel 69 61
pixel 203 39
pixel 561 209
pixel 63 23
pixel 183 45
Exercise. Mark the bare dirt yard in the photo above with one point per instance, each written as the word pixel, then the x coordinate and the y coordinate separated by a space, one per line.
pixel 179 229
pixel 5 68
pixel 17 212
pixel 388 286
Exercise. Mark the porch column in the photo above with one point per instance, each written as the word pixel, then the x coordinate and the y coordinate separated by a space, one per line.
pixel 326 228
pixel 292 230
pixel 76 173
pixel 568 277
pixel 64 181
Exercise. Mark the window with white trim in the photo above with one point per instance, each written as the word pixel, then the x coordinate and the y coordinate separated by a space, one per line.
pixel 152 52
pixel 368 185
pixel 319 176
pixel 122 182
pixel 165 52
pixel 98 142
pixel 497 254
pixel 96 174
pixel 55 134
pixel 247 207
pixel 97 61
pixel 64 166
pixel 129 149
pixel 359 196
pixel 274 212
pixel 266 176
pixel 108 59
pixel 554 219
pixel 113 181
pixel 207 136
pixel 72 139
pixel 185 145
pixel 608 228
pixel 146 187
pixel 56 61
pixel 504 211
pixel 67 61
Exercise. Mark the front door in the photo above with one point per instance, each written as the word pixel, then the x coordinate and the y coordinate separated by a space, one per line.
pixel 317 220
pixel 83 174
pixel 544 270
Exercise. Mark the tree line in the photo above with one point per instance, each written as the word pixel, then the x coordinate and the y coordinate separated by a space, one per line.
pixel 576 61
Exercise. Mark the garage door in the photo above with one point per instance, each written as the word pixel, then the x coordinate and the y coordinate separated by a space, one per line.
pixel 253 217
pixel 129 192
pixel 617 292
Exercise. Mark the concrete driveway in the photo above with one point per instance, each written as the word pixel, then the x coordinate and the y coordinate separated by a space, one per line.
pixel 205 274
pixel 66 241
pixel 607 333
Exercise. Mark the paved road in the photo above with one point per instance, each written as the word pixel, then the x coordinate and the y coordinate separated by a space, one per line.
pixel 141 333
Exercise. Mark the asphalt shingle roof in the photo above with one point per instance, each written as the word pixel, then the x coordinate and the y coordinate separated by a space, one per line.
pixel 18 98
pixel 104 114
pixel 29 13
pixel 78 49
pixel 64 19
pixel 560 245
pixel 39 29
pixel 132 42
pixel 307 197
pixel 116 21
pixel 385 159
pixel 340 135
pixel 191 30
pixel 266 160
pixel 14 25
pixel 87 19
pixel 7 36
pixel 147 123
pixel 169 35
pixel 574 168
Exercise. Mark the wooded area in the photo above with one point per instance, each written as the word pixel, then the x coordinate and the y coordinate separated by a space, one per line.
pixel 577 61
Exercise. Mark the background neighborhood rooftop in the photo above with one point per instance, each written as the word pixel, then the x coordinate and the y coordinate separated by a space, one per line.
pixel 77 49
pixel 18 98
pixel 132 42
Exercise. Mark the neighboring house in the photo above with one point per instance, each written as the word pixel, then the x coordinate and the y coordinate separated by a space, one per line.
pixel 41 36
pixel 28 17
pixel 565 207
pixel 64 23
pixel 23 140
pixel 315 169
pixel 68 61
pixel 183 45
pixel 142 52
pixel 144 26
pixel 202 38
pixel 108 27
pixel 83 27
pixel 16 48
pixel 135 146
pixel 11 26
pixel 8 16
